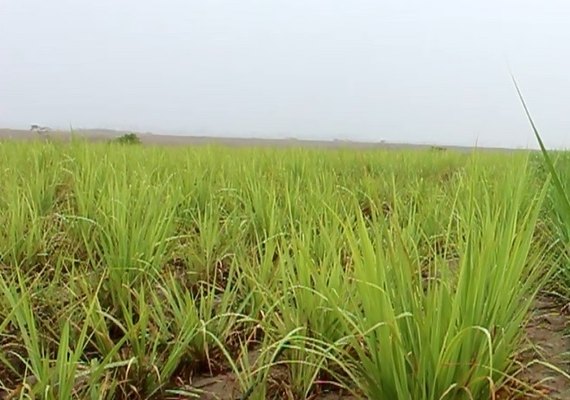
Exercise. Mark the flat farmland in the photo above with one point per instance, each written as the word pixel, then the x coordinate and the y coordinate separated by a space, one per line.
pixel 292 272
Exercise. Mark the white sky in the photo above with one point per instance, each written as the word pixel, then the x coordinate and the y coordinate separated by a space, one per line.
pixel 415 71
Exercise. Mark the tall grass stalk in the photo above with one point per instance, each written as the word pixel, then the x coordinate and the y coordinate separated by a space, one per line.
pixel 561 201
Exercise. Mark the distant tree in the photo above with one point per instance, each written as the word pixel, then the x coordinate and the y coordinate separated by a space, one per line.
pixel 128 138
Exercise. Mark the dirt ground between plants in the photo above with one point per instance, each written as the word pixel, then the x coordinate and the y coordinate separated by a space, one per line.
pixel 548 342
pixel 224 387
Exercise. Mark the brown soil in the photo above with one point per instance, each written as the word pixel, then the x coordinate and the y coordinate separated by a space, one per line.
pixel 544 364
pixel 225 387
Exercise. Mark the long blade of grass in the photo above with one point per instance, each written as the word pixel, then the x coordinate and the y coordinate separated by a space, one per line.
pixel 549 163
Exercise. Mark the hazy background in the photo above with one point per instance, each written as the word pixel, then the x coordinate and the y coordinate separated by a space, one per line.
pixel 412 71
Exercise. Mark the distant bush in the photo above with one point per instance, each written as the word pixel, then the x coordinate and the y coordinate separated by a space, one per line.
pixel 128 138
pixel 438 148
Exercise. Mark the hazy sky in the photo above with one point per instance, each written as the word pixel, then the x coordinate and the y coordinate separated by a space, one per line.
pixel 416 71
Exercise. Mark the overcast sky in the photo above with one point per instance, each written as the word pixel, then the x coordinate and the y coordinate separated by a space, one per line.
pixel 414 71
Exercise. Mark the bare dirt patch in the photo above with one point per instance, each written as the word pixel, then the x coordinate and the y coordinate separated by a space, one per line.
pixel 226 387
pixel 545 362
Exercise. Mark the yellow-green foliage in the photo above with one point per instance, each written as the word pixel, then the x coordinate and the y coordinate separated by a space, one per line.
pixel 398 275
